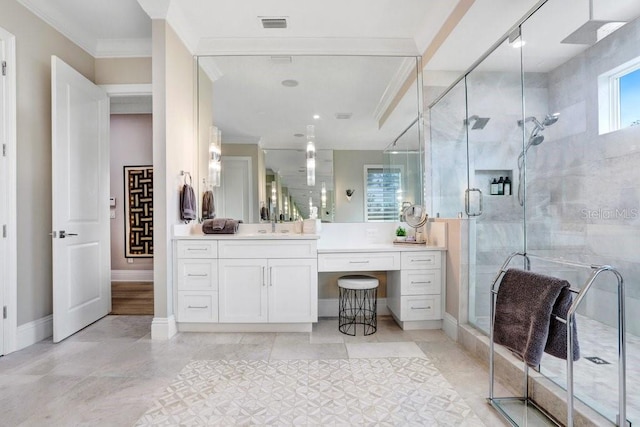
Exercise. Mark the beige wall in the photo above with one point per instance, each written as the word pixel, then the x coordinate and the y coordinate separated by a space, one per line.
pixel 122 71
pixel 348 170
pixel 35 43
pixel 131 145
pixel 174 149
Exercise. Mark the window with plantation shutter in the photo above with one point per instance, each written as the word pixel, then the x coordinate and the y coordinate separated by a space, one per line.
pixel 381 195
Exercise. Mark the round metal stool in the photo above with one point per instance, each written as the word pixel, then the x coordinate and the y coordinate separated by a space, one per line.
pixel 358 304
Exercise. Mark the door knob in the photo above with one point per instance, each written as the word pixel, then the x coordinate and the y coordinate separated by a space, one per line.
pixel 64 234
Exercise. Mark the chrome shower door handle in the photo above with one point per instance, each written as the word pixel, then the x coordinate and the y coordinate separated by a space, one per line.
pixel 467 202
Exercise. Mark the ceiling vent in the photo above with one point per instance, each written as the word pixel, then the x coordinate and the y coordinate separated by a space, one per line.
pixel 280 22
pixel 343 116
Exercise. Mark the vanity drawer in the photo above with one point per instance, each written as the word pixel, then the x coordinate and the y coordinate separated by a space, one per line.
pixel 268 249
pixel 420 282
pixel 198 274
pixel 194 306
pixel 420 307
pixel 360 261
pixel 417 260
pixel 197 249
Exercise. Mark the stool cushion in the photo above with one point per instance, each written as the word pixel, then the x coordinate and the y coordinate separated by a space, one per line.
pixel 358 281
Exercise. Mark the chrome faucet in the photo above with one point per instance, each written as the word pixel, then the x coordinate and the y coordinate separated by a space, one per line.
pixel 273 223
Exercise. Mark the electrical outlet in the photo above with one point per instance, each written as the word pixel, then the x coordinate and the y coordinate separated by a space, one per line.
pixel 372 233
pixel 129 260
pixel 112 214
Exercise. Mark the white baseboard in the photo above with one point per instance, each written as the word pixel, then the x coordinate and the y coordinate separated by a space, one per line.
pixel 450 326
pixel 329 307
pixel 132 275
pixel 33 332
pixel 163 328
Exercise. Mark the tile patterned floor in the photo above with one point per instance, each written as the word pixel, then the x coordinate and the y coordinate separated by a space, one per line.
pixel 111 373
pixel 390 391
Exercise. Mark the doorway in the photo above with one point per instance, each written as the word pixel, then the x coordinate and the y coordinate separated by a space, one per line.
pixel 131 139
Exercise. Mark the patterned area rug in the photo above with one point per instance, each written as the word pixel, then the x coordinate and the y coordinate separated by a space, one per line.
pixel 394 391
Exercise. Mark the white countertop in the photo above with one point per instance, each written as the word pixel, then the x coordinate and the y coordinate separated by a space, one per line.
pixel 378 247
pixel 248 236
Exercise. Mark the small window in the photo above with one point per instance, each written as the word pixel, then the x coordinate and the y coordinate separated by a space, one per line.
pixel 619 97
pixel 630 99
pixel 382 187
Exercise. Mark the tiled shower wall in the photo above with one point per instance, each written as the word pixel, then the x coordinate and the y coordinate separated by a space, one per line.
pixel 583 192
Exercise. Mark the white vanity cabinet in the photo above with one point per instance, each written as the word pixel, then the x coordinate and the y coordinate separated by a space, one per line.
pixel 197 281
pixel 414 293
pixel 268 281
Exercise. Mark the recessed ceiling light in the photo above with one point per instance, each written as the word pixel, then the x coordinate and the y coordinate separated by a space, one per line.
pixel 290 83
pixel 316 116
pixel 517 44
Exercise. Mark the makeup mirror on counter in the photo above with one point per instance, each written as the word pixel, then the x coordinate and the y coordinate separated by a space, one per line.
pixel 350 120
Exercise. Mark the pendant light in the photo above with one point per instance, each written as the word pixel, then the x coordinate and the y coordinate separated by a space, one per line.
pixel 215 156
pixel 311 156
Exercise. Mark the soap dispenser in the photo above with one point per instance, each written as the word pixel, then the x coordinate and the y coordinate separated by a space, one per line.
pixel 500 191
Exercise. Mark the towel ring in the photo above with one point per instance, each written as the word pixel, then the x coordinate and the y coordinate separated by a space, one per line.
pixel 186 174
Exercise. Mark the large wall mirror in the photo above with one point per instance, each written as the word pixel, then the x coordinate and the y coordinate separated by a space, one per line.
pixel 361 112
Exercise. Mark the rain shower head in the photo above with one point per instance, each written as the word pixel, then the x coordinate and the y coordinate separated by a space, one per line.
pixel 478 122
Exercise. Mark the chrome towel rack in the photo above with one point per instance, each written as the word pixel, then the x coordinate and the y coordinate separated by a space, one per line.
pixel 500 403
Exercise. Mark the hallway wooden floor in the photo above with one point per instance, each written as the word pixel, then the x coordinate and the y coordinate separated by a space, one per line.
pixel 132 298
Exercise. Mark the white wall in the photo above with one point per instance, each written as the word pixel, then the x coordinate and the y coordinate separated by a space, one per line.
pixel 348 172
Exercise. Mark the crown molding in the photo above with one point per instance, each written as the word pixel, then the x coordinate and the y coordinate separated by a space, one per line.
pixel 394 86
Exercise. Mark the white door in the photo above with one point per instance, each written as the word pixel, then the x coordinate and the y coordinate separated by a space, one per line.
pixel 293 290
pixel 4 202
pixel 80 197
pixel 242 290
pixel 234 196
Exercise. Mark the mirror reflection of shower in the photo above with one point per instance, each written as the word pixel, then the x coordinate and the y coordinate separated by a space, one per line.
pixel 534 139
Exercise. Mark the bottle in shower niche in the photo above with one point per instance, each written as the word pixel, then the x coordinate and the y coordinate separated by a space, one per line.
pixel 500 187
pixel 493 190
pixel 507 186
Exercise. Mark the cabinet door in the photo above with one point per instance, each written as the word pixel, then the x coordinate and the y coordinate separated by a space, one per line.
pixel 242 290
pixel 293 290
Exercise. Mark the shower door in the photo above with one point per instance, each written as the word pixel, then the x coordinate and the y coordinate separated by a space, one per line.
pixel 476 139
pixel 494 141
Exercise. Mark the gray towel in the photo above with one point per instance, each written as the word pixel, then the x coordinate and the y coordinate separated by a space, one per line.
pixel 524 305
pixel 557 341
pixel 187 203
pixel 208 205
pixel 220 226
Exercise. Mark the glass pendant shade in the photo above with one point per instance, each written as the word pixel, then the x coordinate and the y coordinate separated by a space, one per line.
pixel 311 156
pixel 215 156
pixel 323 196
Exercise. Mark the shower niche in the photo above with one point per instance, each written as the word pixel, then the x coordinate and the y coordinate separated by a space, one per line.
pixel 483 179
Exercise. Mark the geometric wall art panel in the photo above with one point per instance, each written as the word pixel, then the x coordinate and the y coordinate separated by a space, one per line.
pixel 138 208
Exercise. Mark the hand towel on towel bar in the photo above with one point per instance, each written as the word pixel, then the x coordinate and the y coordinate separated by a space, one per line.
pixel 523 315
pixel 220 226
pixel 187 203
pixel 208 205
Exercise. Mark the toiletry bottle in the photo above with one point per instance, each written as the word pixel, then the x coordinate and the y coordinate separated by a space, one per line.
pixel 500 187
pixel 494 187
pixel 507 186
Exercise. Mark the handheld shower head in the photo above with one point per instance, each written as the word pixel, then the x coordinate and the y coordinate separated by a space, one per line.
pixel 536 140
pixel 550 119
